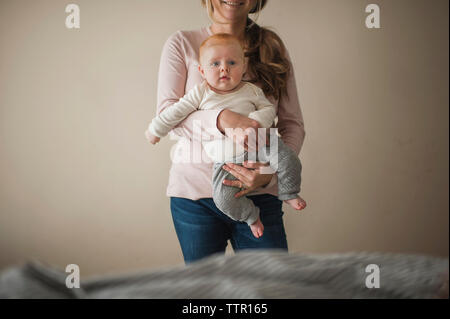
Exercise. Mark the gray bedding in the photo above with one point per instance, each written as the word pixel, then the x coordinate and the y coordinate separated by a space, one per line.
pixel 248 274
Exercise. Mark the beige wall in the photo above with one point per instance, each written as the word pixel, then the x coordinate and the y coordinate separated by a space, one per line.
pixel 79 184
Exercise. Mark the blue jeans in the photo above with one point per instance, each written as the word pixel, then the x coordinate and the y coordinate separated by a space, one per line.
pixel 203 230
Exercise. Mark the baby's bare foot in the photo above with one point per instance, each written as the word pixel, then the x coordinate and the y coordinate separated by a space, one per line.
pixel 257 228
pixel 297 203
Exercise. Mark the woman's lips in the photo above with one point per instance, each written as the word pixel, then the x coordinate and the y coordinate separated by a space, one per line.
pixel 233 4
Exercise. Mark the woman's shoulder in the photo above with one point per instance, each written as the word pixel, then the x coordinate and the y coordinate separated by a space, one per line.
pixel 188 37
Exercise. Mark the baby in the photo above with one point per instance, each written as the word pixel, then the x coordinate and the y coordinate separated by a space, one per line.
pixel 222 66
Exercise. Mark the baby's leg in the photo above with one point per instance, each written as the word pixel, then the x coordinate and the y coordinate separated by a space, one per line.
pixel 241 209
pixel 297 203
pixel 289 169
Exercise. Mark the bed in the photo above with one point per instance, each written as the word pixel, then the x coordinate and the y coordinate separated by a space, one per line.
pixel 249 274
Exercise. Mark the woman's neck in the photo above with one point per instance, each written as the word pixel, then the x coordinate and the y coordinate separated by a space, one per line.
pixel 237 29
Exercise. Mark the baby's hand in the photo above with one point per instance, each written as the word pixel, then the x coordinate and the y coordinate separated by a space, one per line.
pixel 151 138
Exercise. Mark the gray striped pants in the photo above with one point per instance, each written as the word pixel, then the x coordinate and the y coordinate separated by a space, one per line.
pixel 282 160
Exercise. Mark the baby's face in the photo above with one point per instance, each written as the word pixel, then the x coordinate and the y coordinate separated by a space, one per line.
pixel 222 66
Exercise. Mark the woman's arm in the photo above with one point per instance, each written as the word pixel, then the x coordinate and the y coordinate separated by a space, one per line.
pixel 290 119
pixel 231 120
pixel 172 77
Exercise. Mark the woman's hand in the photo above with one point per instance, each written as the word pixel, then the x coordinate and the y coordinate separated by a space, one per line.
pixel 249 176
pixel 241 127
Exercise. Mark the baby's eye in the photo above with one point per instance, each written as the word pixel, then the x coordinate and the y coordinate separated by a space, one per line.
pixel 215 64
pixel 232 62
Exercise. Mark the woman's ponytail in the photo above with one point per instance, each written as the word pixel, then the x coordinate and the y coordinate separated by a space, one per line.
pixel 268 63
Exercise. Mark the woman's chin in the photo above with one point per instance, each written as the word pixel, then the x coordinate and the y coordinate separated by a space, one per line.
pixel 230 17
pixel 231 13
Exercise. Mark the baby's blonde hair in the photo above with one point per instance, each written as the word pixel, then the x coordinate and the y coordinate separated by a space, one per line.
pixel 219 39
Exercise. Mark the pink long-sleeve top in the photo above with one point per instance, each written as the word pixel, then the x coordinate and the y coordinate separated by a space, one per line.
pixel 191 171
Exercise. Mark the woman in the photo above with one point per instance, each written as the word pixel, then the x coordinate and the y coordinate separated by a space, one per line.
pixel 201 228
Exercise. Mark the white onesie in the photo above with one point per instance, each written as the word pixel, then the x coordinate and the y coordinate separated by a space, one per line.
pixel 249 101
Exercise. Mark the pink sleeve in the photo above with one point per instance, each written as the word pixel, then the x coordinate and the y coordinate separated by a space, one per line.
pixel 290 118
pixel 171 87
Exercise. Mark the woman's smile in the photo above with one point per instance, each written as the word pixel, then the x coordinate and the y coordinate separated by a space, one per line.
pixel 232 4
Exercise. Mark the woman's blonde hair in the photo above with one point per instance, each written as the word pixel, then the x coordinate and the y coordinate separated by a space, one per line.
pixel 267 60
